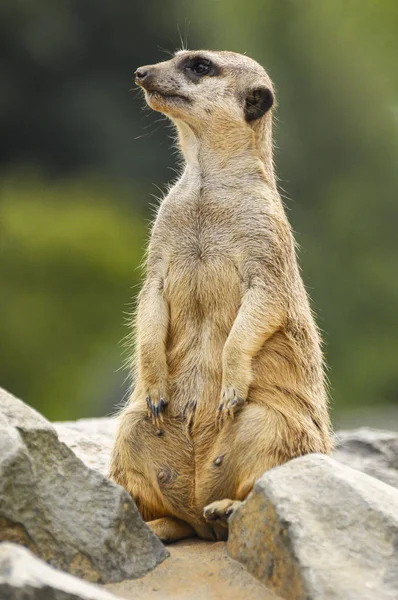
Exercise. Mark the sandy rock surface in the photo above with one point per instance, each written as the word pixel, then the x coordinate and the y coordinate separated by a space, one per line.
pixel 23 576
pixel 196 570
pixel 314 529
pixel 69 515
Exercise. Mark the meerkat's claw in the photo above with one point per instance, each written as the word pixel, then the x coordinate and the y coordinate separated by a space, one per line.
pixel 219 512
pixel 231 403
pixel 156 410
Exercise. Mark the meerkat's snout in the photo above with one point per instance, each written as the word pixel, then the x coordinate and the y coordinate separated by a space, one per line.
pixel 163 90
pixel 145 77
pixel 142 74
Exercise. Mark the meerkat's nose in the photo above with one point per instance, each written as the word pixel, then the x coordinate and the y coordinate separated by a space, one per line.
pixel 142 74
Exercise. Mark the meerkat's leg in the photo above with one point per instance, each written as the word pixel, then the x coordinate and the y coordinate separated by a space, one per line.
pixel 152 328
pixel 170 529
pixel 264 435
pixel 156 468
pixel 258 318
pixel 135 460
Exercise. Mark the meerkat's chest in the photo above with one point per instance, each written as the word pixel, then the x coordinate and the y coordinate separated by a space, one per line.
pixel 202 285
pixel 198 228
pixel 201 261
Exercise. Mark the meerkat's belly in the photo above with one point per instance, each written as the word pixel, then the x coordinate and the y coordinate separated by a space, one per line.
pixel 204 295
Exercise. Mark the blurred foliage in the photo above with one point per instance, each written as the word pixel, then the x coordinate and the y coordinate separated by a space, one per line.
pixel 68 255
pixel 71 238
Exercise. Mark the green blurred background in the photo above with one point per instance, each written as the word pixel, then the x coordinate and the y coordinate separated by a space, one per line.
pixel 81 161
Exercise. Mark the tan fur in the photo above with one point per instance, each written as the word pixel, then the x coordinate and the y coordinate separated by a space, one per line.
pixel 223 315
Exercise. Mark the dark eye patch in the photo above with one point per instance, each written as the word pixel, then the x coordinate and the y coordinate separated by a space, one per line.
pixel 197 67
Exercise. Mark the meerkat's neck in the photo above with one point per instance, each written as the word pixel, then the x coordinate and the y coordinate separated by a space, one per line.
pixel 227 150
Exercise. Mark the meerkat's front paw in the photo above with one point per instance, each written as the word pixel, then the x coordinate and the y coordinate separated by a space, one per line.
pixel 156 403
pixel 220 512
pixel 231 402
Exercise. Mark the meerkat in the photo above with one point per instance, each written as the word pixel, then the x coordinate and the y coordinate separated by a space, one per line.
pixel 228 366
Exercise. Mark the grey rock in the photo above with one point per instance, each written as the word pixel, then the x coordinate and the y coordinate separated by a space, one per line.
pixel 90 439
pixel 371 451
pixel 23 576
pixel 314 529
pixel 69 515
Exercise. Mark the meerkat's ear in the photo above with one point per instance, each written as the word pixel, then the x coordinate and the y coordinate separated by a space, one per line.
pixel 257 103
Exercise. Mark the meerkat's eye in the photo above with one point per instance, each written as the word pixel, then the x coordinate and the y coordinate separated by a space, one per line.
pixel 197 67
pixel 201 66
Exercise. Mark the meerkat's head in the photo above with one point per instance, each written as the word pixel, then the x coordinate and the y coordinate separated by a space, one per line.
pixel 211 91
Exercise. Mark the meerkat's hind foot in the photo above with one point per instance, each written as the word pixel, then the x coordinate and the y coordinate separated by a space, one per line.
pixel 220 511
pixel 170 529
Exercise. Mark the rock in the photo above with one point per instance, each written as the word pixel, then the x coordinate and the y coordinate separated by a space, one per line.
pixel 90 439
pixel 314 529
pixel 69 515
pixel 23 576
pixel 371 451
